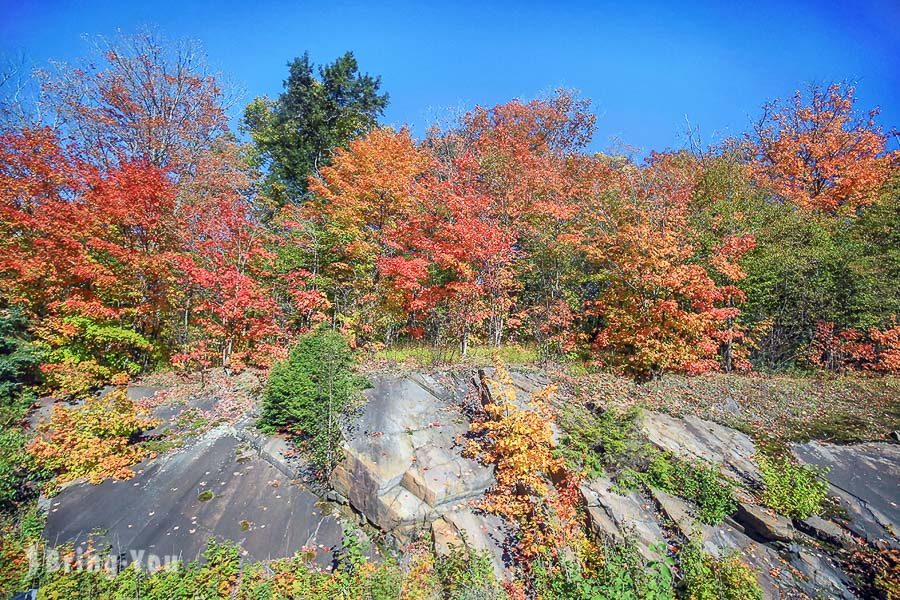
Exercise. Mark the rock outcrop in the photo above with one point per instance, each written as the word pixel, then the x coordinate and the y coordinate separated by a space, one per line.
pixel 695 438
pixel 865 478
pixel 403 466
pixel 404 472
pixel 616 516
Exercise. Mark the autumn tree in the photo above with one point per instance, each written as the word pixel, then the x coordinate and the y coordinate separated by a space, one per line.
pixel 139 98
pixel 658 303
pixel 529 164
pixel 819 153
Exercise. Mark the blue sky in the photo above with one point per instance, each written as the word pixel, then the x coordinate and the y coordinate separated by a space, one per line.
pixel 646 66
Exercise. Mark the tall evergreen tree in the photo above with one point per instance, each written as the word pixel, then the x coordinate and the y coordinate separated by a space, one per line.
pixel 319 110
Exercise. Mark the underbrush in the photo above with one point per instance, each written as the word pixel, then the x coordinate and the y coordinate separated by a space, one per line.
pixel 462 575
pixel 792 489
pixel 707 578
pixel 615 571
pixel 698 482
pixel 610 441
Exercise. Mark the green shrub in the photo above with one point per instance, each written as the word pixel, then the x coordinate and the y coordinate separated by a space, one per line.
pixel 19 358
pixel 20 530
pixel 621 574
pixel 467 574
pixel 592 441
pixel 215 576
pixel 15 464
pixel 792 489
pixel 707 578
pixel 307 393
pixel 698 482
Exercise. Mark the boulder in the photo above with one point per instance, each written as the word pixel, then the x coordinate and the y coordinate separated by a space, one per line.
pixel 763 523
pixel 616 515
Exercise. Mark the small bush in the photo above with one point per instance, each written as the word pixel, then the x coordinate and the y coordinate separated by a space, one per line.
pixel 467 574
pixel 307 393
pixel 19 358
pixel 593 441
pixel 700 483
pixel 15 464
pixel 707 578
pixel 792 489
pixel 92 440
pixel 621 573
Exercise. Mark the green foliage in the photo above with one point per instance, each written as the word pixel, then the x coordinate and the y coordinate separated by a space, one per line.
pixel 467 574
pixel 212 577
pixel 426 356
pixel 700 483
pixel 808 268
pixel 20 530
pixel 593 441
pixel 622 574
pixel 307 393
pixel 295 135
pixel 83 354
pixel 792 489
pixel 15 464
pixel 707 578
pixel 19 358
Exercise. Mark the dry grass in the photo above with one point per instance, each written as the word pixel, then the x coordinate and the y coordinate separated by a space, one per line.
pixel 777 407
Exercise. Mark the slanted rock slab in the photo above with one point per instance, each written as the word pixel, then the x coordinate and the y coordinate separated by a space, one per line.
pixel 178 501
pixel 695 438
pixel 865 478
pixel 616 515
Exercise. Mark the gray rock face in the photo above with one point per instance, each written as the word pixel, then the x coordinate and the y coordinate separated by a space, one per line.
pixel 821 575
pixel 177 501
pixel 403 464
pixel 824 530
pixel 615 515
pixel 693 437
pixel 866 480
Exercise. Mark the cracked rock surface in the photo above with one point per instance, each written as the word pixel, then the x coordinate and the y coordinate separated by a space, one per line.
pixel 216 487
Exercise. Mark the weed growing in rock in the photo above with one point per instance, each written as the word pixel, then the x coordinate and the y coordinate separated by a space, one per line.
pixel 466 573
pixel 594 441
pixel 613 571
pixel 706 578
pixel 308 392
pixel 792 489
pixel 700 483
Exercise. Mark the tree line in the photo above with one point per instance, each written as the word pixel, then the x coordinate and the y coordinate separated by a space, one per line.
pixel 137 230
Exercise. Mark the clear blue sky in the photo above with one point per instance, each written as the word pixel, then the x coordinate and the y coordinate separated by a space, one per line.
pixel 645 66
